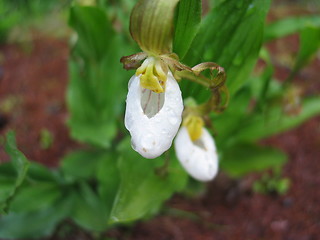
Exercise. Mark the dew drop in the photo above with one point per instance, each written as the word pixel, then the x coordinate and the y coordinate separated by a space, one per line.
pixel 164 131
pixel 172 118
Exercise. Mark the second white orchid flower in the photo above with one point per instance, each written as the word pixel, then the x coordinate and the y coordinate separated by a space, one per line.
pixel 196 151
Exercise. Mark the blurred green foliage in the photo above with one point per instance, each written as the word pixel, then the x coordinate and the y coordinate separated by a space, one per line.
pixel 15 12
pixel 109 183
pixel 12 174
pixel 272 183
pixel 46 138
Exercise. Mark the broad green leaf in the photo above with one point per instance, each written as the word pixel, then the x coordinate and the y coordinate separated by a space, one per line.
pixel 230 35
pixel 98 83
pixel 274 121
pixel 40 173
pixel 89 121
pixel 34 224
pixel 109 181
pixel 186 25
pixel 81 164
pixel 94 202
pixel 245 158
pixel 260 85
pixel 120 11
pixel 287 26
pixel 141 190
pixel 89 210
pixel 6 186
pixel 7 170
pixel 7 183
pixel 20 165
pixel 309 44
pixel 19 161
pixel 93 30
pixel 35 196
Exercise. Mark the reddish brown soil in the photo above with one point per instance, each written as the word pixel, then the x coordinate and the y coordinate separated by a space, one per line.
pixel 33 79
pixel 36 81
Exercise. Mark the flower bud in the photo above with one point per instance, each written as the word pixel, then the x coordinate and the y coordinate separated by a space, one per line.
pixel 151 25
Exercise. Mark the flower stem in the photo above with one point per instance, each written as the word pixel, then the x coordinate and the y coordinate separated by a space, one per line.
pixel 163 170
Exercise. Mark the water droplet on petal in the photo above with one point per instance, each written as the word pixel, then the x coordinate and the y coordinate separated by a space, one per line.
pixel 172 117
pixel 164 131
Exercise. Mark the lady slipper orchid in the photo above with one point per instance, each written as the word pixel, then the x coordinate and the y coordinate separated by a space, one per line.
pixel 196 152
pixel 154 104
pixel 153 114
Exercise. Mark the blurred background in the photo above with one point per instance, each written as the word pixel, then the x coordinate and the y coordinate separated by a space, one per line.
pixel 35 42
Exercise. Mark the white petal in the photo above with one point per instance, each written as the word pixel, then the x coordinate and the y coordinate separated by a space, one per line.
pixel 198 158
pixel 153 135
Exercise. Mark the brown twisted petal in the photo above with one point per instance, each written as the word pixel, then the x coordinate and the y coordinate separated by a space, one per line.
pixel 133 61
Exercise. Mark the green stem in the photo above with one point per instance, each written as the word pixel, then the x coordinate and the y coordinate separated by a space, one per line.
pixel 163 170
pixel 192 77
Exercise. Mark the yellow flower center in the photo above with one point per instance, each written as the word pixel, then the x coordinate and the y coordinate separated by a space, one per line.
pixel 153 77
pixel 194 125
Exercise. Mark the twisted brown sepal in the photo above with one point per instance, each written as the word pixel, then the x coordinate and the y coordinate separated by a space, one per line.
pixel 133 61
pixel 218 76
pixel 216 83
pixel 217 86
pixel 218 101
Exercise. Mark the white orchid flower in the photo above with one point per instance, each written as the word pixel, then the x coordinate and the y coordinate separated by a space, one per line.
pixel 198 157
pixel 153 119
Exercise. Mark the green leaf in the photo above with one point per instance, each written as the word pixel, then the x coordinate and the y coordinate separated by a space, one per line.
pixel 89 210
pixel 93 30
pixel 141 190
pixel 34 224
pixel 245 158
pixel 19 161
pixel 231 35
pixel 92 111
pixel 40 173
pixel 186 25
pixel 109 180
pixel 287 26
pixel 260 85
pixel 274 121
pixel 20 165
pixel 7 185
pixel 309 44
pixel 81 164
pixel 271 184
pixel 35 196
pixel 94 202
pixel 230 121
pixel 98 84
pixel 7 170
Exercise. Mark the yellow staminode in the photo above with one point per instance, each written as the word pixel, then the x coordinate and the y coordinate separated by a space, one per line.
pixel 194 125
pixel 153 76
